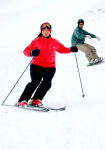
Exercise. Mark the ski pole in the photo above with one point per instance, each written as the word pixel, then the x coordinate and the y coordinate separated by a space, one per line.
pixel 83 95
pixel 16 83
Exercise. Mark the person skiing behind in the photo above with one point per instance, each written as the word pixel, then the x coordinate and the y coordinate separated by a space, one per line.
pixel 42 67
pixel 78 39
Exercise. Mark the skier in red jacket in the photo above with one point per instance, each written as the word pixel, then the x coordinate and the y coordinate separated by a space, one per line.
pixel 42 68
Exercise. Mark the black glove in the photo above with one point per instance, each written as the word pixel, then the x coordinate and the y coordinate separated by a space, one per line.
pixel 35 52
pixel 73 49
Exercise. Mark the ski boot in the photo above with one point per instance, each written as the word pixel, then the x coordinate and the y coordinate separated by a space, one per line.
pixel 22 103
pixel 36 102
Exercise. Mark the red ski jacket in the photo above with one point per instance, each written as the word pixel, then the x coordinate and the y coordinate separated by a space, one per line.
pixel 47 48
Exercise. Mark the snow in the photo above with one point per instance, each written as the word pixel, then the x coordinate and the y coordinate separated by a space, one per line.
pixel 82 125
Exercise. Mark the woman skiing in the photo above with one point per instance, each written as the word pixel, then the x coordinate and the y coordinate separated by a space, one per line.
pixel 42 67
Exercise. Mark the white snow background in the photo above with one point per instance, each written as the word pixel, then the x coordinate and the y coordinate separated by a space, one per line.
pixel 82 125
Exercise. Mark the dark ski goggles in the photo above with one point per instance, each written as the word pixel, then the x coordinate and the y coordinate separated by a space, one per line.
pixel 46 25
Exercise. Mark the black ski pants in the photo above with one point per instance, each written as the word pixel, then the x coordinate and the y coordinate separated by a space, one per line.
pixel 40 83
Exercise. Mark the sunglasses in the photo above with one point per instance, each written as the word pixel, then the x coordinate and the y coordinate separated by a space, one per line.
pixel 46 25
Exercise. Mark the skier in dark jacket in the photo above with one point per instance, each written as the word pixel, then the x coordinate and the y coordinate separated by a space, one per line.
pixel 42 68
pixel 78 40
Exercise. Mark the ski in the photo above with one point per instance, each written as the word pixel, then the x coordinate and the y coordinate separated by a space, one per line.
pixel 49 108
pixel 58 109
pixel 29 108
pixel 40 109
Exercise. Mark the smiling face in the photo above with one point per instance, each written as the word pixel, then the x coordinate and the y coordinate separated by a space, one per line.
pixel 81 25
pixel 45 29
pixel 45 32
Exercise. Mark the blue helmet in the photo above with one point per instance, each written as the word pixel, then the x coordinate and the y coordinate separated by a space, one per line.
pixel 80 21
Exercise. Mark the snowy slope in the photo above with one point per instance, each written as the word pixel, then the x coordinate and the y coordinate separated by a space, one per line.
pixel 82 125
